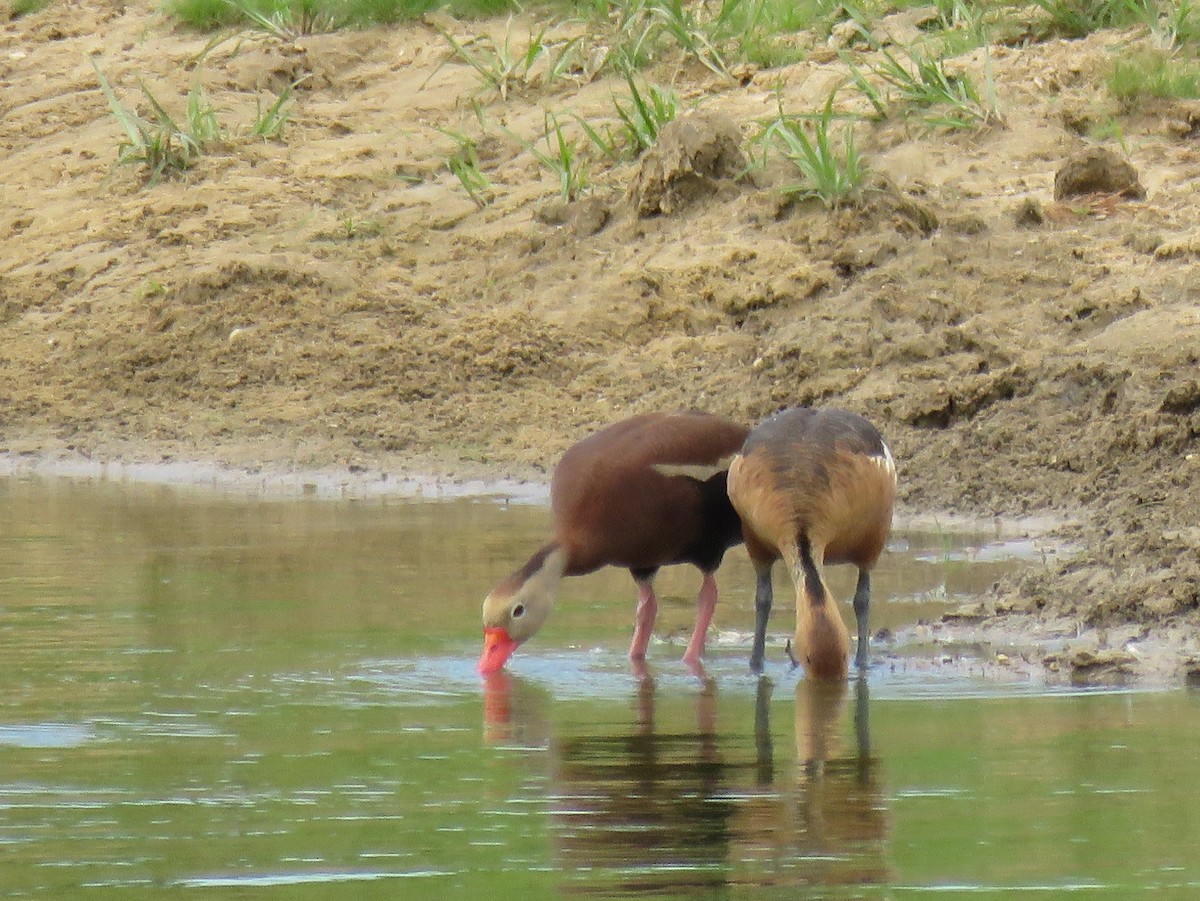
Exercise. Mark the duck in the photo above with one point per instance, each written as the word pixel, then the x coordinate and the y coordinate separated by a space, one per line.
pixel 815 487
pixel 643 493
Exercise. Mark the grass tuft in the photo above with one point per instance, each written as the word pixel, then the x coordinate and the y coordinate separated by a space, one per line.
pixel 643 115
pixel 561 156
pixel 160 144
pixel 829 173
pixel 951 100
pixel 1178 26
pixel 288 21
pixel 505 67
pixel 269 122
pixel 1154 74
pixel 640 117
pixel 1079 18
pixel 464 165
pixel 20 8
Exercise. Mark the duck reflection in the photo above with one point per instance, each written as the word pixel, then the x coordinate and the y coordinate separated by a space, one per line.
pixel 658 811
pixel 645 809
pixel 840 829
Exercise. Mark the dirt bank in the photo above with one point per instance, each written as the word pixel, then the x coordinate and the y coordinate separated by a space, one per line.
pixel 335 299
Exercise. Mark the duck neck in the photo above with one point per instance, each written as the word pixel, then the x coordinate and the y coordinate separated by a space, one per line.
pixel 821 635
pixel 545 568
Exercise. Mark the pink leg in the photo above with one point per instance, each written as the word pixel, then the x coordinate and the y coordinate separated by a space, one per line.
pixel 647 610
pixel 706 605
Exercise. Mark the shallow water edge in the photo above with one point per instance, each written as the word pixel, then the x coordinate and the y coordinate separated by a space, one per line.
pixel 979 636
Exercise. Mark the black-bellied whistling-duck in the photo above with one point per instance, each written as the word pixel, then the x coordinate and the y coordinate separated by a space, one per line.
pixel 617 502
pixel 814 487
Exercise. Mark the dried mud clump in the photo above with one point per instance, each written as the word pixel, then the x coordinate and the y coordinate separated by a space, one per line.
pixel 690 159
pixel 1097 171
pixel 942 405
pixel 883 201
pixel 584 217
pixel 1029 214
pixel 1182 399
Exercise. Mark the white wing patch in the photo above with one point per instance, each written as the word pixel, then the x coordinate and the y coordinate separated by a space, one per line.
pixel 886 461
pixel 700 471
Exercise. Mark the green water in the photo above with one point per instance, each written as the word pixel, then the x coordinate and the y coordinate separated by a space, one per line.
pixel 221 698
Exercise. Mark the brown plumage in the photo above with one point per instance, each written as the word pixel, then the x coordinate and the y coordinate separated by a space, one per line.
pixel 814 487
pixel 617 502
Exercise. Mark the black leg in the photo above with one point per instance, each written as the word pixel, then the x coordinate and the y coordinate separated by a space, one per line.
pixel 862 606
pixel 762 610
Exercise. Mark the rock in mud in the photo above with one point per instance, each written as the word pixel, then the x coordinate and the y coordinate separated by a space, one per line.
pixel 1089 665
pixel 1191 671
pixel 690 159
pixel 967 613
pixel 1097 171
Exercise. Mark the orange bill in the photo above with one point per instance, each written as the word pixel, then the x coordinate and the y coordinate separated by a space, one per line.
pixel 497 648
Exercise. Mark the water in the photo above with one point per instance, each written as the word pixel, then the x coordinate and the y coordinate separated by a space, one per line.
pixel 223 698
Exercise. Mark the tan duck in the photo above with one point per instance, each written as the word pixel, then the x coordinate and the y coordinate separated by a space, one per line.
pixel 814 487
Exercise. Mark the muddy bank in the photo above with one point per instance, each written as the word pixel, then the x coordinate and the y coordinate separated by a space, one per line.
pixel 332 300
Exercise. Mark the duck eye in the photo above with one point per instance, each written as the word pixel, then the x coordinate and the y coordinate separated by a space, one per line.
pixel 518 611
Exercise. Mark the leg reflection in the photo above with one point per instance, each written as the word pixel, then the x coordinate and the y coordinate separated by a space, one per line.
pixel 671 803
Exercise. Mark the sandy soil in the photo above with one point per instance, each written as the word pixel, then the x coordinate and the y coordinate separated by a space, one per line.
pixel 334 300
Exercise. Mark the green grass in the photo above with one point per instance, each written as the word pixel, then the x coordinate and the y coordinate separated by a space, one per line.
pixel 290 18
pixel 629 34
pixel 626 34
pixel 716 36
pixel 464 165
pixel 1154 74
pixel 699 36
pixel 269 121
pixel 946 99
pixel 353 228
pixel 1179 26
pixel 1109 130
pixel 963 25
pixel 828 170
pixel 164 145
pixel 640 117
pixel 25 7
pixel 288 21
pixel 1079 18
pixel 644 113
pixel 513 64
pixel 759 30
pixel 161 145
pixel 561 155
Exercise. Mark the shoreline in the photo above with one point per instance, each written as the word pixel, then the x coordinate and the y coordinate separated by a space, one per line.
pixel 992 636
pixel 274 480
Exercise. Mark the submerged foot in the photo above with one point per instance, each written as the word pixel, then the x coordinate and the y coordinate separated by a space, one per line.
pixel 694 665
pixel 637 666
